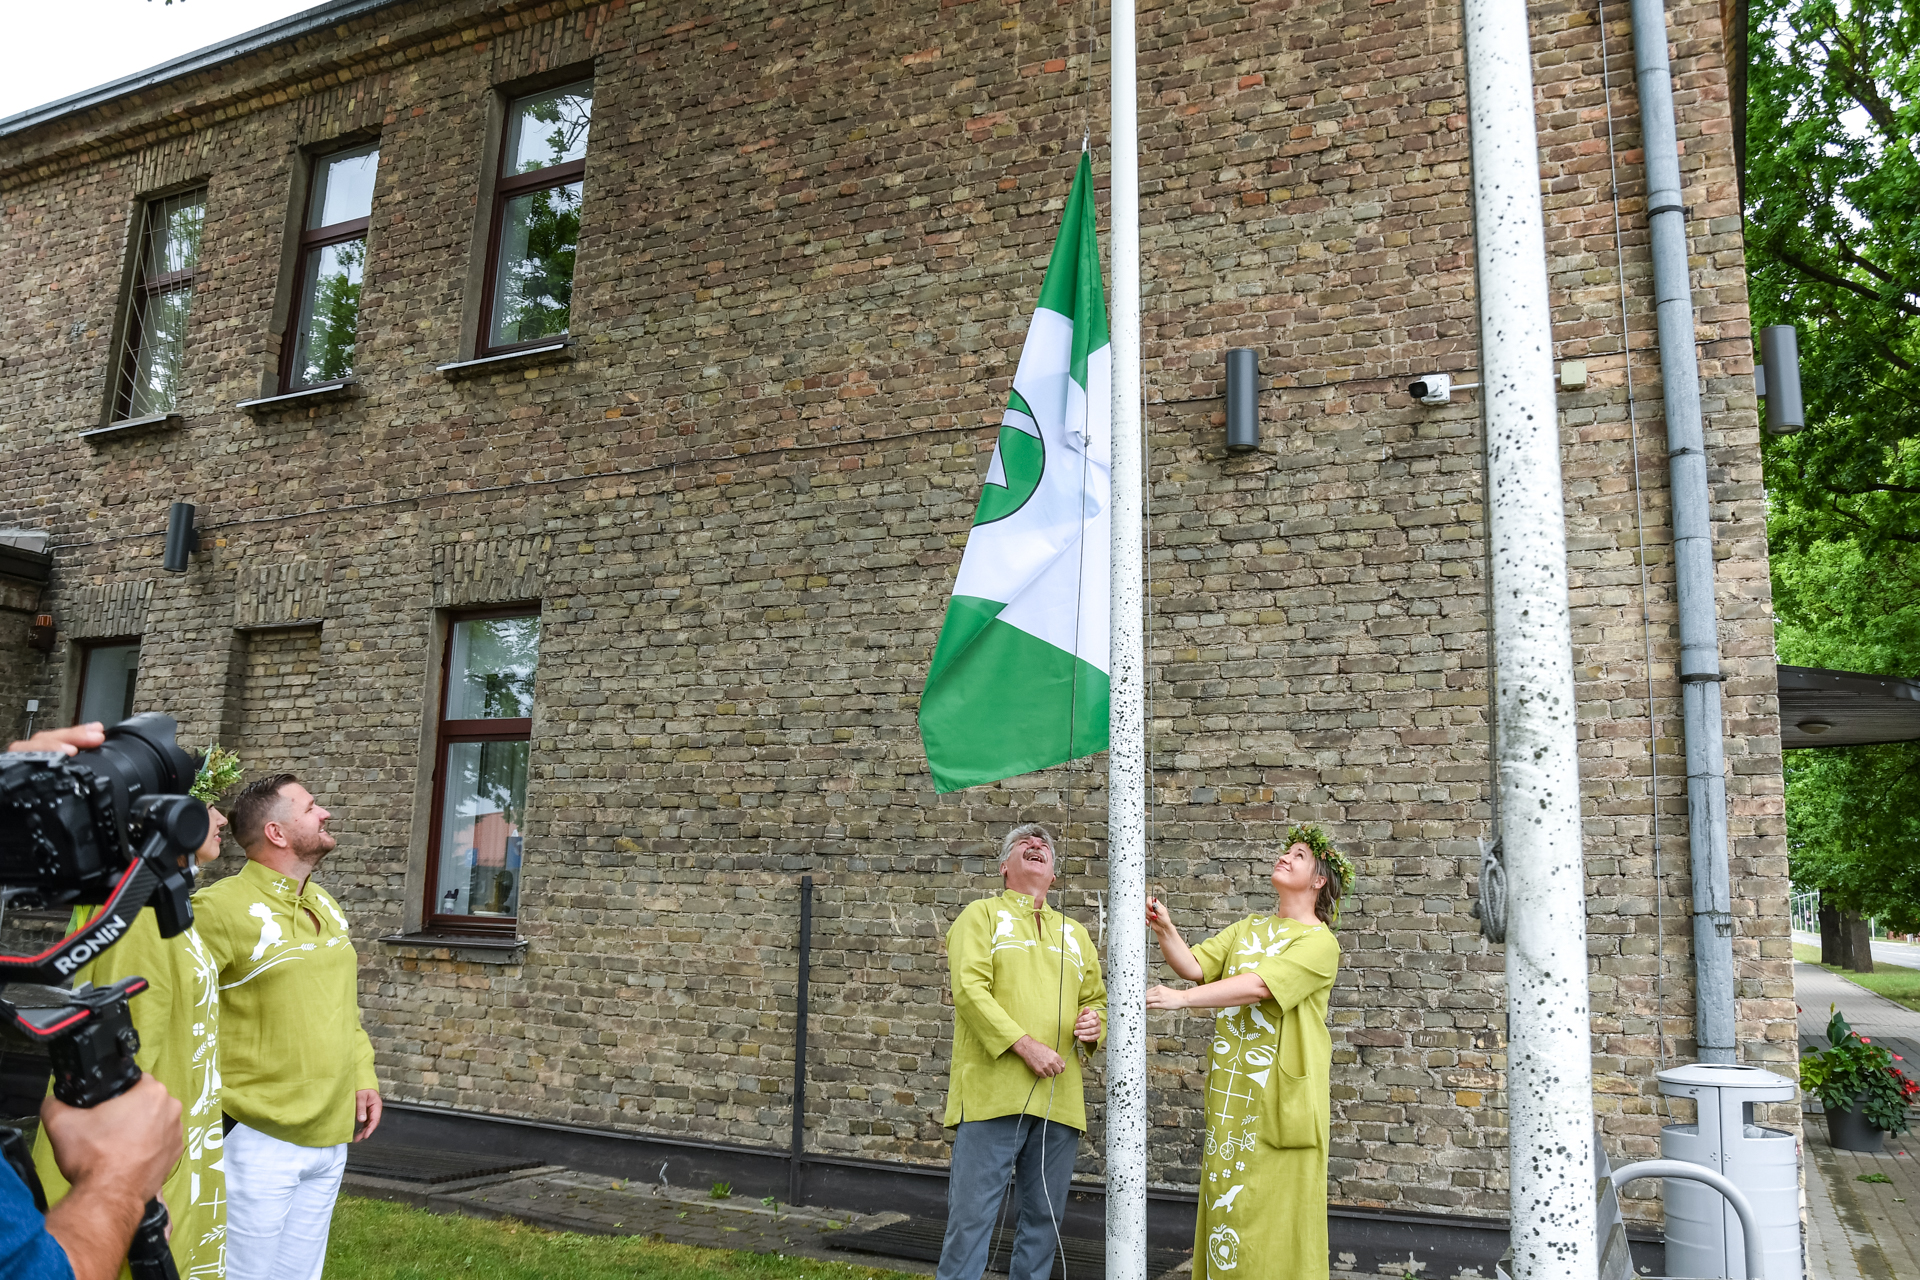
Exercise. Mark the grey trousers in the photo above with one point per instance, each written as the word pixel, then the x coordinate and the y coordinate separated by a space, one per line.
pixel 1038 1158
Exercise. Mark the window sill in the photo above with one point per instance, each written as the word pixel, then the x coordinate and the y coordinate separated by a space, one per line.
pixel 323 394
pixel 507 362
pixel 131 426
pixel 477 948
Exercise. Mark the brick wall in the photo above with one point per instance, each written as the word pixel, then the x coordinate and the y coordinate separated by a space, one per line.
pixel 810 241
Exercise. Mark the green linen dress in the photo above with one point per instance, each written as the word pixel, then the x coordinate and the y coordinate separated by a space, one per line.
pixel 1263 1185
pixel 178 1018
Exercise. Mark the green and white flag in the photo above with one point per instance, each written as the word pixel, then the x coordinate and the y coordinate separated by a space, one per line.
pixel 1019 678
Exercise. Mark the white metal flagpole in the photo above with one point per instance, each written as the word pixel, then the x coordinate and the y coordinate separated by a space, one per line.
pixel 1127 756
pixel 1549 1058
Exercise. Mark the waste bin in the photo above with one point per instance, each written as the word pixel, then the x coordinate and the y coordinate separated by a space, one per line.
pixel 1703 1232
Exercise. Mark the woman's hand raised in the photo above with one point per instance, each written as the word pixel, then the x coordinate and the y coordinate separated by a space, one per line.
pixel 1166 998
pixel 1173 948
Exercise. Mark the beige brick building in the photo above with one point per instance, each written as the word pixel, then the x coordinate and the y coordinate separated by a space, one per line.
pixel 809 237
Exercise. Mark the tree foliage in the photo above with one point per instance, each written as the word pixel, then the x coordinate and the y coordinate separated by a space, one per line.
pixel 1833 248
pixel 1833 245
pixel 1853 826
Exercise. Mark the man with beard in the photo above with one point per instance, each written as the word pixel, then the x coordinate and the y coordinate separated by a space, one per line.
pixel 296 1068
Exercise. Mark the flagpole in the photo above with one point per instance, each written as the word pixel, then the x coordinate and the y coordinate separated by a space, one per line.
pixel 1126 760
pixel 1549 1055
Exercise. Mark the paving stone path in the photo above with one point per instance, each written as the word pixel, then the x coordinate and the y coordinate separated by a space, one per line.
pixel 1874 1016
pixel 1859 1230
pixel 1870 1013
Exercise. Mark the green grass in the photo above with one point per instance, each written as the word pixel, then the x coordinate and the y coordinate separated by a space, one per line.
pixel 1893 981
pixel 375 1240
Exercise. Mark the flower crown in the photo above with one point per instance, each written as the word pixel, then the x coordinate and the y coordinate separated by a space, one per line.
pixel 1316 839
pixel 220 770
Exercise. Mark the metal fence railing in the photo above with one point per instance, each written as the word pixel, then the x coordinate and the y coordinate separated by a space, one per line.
pixel 1805 908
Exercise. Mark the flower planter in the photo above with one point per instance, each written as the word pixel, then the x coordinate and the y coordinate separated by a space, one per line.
pixel 1850 1130
pixel 1859 1086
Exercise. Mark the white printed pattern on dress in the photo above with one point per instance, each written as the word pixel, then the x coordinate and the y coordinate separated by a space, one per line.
pixel 1244 1046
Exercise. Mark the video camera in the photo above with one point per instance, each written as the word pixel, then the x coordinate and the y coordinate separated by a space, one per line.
pixel 113 826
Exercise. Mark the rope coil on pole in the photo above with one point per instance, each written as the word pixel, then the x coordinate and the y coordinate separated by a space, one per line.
pixel 1490 909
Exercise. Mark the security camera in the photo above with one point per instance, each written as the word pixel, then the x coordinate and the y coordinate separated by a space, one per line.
pixel 1433 388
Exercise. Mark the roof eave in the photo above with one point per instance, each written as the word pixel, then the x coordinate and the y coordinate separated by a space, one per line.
pixel 304 23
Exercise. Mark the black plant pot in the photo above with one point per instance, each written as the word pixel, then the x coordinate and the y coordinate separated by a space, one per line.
pixel 1850 1130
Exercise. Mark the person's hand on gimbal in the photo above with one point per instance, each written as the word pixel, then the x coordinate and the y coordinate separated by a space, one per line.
pixel 115 1156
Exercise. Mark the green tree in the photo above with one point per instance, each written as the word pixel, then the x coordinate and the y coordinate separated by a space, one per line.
pixel 1833 243
pixel 1853 826
pixel 1833 248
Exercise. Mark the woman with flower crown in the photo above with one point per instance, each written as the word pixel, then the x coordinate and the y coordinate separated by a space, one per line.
pixel 1263 1186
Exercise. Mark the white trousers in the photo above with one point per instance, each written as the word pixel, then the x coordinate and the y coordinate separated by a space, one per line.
pixel 279 1205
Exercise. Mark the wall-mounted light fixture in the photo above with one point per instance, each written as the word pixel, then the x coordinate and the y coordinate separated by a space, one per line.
pixel 1243 399
pixel 1778 379
pixel 182 537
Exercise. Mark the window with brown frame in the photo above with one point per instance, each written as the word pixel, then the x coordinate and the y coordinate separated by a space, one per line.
pixel 107 672
pixel 153 348
pixel 536 219
pixel 480 772
pixel 333 256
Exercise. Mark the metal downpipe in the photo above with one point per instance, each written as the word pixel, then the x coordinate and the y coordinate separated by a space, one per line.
pixel 1692 543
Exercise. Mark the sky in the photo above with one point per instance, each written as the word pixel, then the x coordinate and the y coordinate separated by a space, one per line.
pixel 56 49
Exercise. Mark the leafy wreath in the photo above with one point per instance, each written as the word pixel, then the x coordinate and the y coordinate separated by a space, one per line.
pixel 1316 839
pixel 220 770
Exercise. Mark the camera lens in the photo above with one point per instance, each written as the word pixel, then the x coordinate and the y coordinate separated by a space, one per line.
pixel 140 758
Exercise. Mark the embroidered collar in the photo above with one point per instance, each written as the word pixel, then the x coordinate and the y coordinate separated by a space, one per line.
pixel 1026 901
pixel 296 896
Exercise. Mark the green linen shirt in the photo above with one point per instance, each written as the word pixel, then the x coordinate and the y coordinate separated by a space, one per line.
pixel 178 1020
pixel 1012 977
pixel 292 1051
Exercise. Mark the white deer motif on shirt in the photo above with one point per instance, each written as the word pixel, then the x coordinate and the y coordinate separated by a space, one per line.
pixel 270 935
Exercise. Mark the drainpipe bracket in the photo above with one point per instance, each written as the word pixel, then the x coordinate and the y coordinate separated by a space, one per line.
pixel 1722 921
pixel 1702 677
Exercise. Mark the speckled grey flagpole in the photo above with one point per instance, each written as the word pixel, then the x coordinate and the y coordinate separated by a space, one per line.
pixel 1549 1061
pixel 1126 726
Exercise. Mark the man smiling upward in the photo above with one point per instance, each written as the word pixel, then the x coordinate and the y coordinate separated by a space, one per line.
pixel 1026 986
pixel 296 1068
